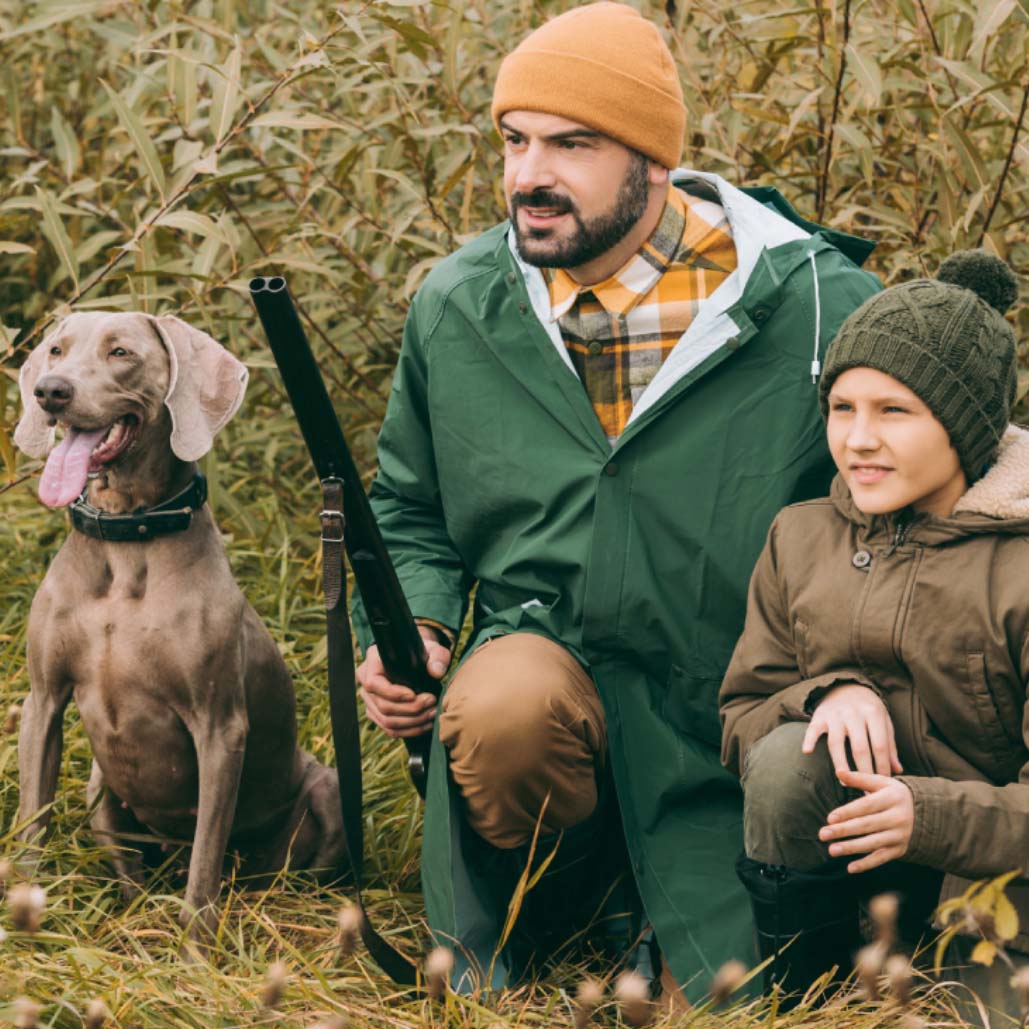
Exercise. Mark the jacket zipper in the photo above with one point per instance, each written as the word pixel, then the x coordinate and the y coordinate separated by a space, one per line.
pixel 900 534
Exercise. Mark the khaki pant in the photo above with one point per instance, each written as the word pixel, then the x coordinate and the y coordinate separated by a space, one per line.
pixel 526 734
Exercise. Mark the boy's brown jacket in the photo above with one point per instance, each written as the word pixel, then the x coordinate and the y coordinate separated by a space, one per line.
pixel 931 613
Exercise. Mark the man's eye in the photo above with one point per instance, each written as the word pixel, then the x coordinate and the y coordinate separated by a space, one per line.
pixel 839 405
pixel 895 409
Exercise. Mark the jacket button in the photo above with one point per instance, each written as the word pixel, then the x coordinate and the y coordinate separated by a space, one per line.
pixel 760 314
pixel 611 469
pixel 862 559
pixel 595 348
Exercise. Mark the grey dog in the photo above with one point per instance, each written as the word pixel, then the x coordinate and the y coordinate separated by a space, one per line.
pixel 187 703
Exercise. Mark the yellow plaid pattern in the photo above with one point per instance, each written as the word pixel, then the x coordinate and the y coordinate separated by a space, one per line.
pixel 619 331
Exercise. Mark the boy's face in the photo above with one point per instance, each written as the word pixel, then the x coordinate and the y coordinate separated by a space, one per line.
pixel 889 447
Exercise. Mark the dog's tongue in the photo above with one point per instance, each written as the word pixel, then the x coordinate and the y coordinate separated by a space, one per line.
pixel 64 476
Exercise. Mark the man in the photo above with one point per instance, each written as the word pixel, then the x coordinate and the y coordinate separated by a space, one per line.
pixel 598 409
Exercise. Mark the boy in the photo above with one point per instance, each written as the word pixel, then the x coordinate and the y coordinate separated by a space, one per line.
pixel 875 703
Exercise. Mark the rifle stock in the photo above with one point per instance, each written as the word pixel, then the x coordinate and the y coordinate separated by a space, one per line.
pixel 401 647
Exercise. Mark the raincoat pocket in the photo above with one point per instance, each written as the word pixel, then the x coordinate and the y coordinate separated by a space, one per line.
pixel 691 702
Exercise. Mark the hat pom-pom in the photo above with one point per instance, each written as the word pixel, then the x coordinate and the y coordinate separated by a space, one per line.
pixel 990 278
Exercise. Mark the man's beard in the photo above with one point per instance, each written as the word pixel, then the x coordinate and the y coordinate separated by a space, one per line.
pixel 590 239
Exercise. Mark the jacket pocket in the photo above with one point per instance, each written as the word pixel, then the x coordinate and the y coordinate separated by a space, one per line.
pixel 691 703
pixel 990 718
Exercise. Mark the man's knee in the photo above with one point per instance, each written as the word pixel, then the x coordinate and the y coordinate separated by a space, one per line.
pixel 524 727
pixel 787 796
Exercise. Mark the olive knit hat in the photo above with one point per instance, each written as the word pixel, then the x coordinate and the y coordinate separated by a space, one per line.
pixel 605 66
pixel 947 341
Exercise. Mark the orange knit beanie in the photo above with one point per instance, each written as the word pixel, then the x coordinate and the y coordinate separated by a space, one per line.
pixel 604 66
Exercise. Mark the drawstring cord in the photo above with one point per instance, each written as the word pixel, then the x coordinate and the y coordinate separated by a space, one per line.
pixel 816 364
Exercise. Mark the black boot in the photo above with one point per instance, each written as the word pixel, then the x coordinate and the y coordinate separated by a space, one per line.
pixel 807 923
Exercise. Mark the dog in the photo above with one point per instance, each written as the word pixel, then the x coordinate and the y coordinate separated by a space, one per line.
pixel 186 700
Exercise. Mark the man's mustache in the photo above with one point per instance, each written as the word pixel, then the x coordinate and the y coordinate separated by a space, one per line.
pixel 542 198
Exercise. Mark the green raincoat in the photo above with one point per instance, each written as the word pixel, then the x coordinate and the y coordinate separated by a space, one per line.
pixel 493 469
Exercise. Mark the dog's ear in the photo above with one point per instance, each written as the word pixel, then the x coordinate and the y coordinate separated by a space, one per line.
pixel 205 386
pixel 34 435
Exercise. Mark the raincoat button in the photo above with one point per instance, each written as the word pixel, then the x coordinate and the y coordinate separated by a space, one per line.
pixel 732 343
pixel 596 348
pixel 760 314
pixel 611 469
pixel 523 307
pixel 862 559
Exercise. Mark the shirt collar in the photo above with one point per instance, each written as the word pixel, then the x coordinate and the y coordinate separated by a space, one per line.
pixel 622 291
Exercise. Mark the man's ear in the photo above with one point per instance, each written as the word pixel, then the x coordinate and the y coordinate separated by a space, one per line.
pixel 34 434
pixel 657 174
pixel 205 386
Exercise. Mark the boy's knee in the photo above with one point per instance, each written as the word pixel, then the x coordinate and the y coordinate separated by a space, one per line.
pixel 787 796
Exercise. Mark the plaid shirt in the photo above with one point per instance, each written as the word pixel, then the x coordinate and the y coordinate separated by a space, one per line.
pixel 619 331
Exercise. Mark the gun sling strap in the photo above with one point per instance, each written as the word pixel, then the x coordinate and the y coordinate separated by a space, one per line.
pixel 345 726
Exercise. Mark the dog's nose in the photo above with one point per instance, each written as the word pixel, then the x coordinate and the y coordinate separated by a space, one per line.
pixel 53 393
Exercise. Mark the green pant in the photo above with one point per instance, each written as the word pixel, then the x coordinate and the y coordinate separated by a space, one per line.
pixel 787 796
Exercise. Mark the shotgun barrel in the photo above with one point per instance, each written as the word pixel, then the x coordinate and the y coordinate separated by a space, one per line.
pixel 401 647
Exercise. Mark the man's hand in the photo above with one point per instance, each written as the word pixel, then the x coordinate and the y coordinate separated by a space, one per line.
pixel 856 714
pixel 879 824
pixel 396 709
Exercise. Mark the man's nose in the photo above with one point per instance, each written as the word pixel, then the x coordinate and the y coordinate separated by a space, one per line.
pixel 53 393
pixel 533 170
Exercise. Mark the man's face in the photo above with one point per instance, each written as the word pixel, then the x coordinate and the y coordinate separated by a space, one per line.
pixel 572 193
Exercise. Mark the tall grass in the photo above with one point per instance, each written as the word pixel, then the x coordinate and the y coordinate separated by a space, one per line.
pixel 157 155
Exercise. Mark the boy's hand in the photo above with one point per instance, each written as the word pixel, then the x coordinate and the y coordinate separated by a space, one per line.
pixel 879 824
pixel 856 714
pixel 396 709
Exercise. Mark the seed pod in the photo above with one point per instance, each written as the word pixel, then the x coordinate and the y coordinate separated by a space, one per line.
pixel 883 909
pixel 588 997
pixel 27 904
pixel 726 980
pixel 26 1013
pixel 438 965
pixel 633 995
pixel 96 1014
pixel 898 975
pixel 6 874
pixel 348 923
pixel 13 719
pixel 331 1022
pixel 869 966
pixel 1020 984
pixel 274 984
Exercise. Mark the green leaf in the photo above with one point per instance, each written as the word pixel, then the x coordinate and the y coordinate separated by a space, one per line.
pixel 53 229
pixel 990 15
pixel 225 94
pixel 140 140
pixel 182 82
pixel 866 73
pixel 9 246
pixel 66 145
pixel 294 120
pixel 192 221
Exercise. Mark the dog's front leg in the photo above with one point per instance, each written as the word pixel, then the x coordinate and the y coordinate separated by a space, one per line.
pixel 40 740
pixel 220 749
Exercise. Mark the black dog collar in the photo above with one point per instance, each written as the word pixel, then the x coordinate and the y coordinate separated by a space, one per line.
pixel 172 515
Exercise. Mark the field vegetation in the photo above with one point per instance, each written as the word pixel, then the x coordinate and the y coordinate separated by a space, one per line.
pixel 158 154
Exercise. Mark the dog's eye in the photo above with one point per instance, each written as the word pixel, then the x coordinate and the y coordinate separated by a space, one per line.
pixel 119 352
pixel 55 351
